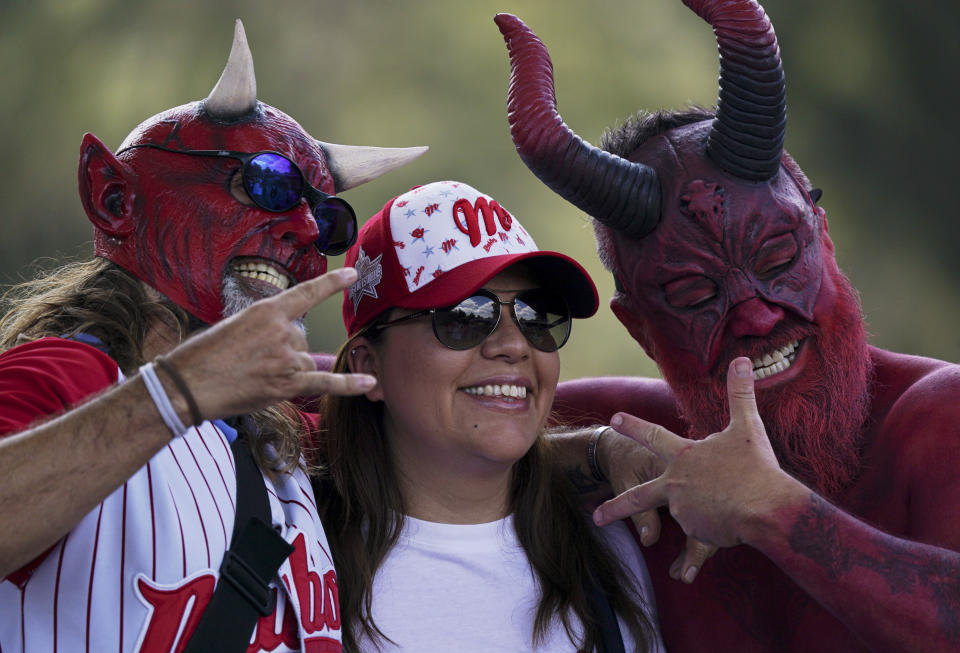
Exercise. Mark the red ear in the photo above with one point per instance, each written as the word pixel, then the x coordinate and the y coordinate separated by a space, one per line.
pixel 107 188
pixel 635 325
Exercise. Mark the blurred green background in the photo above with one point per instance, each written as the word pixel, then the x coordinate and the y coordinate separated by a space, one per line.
pixel 872 91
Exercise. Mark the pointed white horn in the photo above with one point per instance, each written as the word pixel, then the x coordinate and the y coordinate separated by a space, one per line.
pixel 235 94
pixel 352 165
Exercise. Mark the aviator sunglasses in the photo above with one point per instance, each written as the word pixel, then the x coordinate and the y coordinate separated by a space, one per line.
pixel 543 318
pixel 276 184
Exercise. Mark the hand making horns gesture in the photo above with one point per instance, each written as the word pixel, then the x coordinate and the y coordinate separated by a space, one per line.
pixel 260 356
pixel 718 489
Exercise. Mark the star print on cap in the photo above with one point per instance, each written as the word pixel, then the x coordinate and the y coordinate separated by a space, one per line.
pixel 369 275
pixel 438 243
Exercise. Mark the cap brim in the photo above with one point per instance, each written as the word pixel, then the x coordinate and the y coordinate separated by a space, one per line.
pixel 554 270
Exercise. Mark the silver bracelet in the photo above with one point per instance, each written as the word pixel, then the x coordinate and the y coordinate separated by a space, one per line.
pixel 592 462
pixel 162 401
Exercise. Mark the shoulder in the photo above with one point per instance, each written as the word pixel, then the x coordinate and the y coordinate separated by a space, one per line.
pixel 915 392
pixel 917 436
pixel 47 376
pixel 594 399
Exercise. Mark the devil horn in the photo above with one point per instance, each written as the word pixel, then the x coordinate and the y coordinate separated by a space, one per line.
pixel 621 194
pixel 235 94
pixel 746 138
pixel 352 165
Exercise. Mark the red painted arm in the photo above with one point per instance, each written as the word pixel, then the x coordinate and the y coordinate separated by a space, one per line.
pixel 594 400
pixel 898 592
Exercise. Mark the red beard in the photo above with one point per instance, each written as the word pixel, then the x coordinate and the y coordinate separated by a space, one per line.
pixel 815 423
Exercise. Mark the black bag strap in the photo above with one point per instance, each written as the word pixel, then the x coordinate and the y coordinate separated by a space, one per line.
pixel 255 554
pixel 611 640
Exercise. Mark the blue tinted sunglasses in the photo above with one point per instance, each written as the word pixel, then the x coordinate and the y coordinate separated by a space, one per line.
pixel 276 184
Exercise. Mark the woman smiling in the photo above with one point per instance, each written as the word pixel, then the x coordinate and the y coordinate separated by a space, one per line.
pixel 450 524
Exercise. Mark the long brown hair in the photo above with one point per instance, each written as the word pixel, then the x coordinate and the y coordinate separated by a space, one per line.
pixel 362 508
pixel 99 298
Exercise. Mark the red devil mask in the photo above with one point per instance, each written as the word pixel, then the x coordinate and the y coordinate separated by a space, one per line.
pixel 186 224
pixel 711 232
pixel 721 244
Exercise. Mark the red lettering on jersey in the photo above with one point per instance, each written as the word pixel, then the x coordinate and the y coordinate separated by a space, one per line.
pixel 315 593
pixel 433 208
pixel 417 233
pixel 406 272
pixel 398 244
pixel 449 244
pixel 437 273
pixel 490 243
pixel 402 203
pixel 169 608
pixel 503 237
pixel 416 278
pixel 469 223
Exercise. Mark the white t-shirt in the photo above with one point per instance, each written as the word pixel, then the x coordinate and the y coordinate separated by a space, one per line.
pixel 463 588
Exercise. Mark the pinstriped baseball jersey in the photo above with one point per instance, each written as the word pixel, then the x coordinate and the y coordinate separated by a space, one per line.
pixel 136 572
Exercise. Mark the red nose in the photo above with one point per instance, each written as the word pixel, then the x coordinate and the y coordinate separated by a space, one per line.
pixel 298 227
pixel 754 317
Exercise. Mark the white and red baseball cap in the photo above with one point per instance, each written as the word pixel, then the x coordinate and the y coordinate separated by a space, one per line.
pixel 437 244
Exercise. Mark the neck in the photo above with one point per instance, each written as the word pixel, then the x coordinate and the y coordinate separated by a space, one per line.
pixel 434 490
pixel 161 337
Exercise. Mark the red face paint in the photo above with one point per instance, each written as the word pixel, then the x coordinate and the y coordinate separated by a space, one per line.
pixel 190 227
pixel 738 268
pixel 721 244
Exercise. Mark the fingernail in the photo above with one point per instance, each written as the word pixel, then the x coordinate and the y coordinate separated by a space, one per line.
pixel 347 274
pixel 365 382
pixel 616 420
pixel 690 573
pixel 597 517
pixel 643 535
pixel 743 368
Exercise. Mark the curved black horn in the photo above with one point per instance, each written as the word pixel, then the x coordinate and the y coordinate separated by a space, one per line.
pixel 621 194
pixel 747 135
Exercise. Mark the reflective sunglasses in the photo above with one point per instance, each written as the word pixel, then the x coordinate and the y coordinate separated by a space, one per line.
pixel 543 317
pixel 276 184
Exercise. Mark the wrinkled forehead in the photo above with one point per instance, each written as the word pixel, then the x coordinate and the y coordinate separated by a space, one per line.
pixel 704 207
pixel 188 127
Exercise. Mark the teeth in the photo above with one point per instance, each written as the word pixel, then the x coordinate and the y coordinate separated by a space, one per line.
pixel 505 390
pixel 263 272
pixel 774 362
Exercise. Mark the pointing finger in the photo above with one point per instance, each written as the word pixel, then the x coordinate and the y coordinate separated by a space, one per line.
pixel 637 499
pixel 317 383
pixel 297 301
pixel 659 440
pixel 743 402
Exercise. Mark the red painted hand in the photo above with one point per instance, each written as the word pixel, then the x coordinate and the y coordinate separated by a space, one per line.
pixel 718 488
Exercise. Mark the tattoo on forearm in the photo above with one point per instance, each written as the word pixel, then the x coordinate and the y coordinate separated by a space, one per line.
pixel 910 569
pixel 584 483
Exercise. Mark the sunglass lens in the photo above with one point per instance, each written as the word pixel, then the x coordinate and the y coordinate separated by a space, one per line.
pixel 337 224
pixel 466 325
pixel 273 181
pixel 544 318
